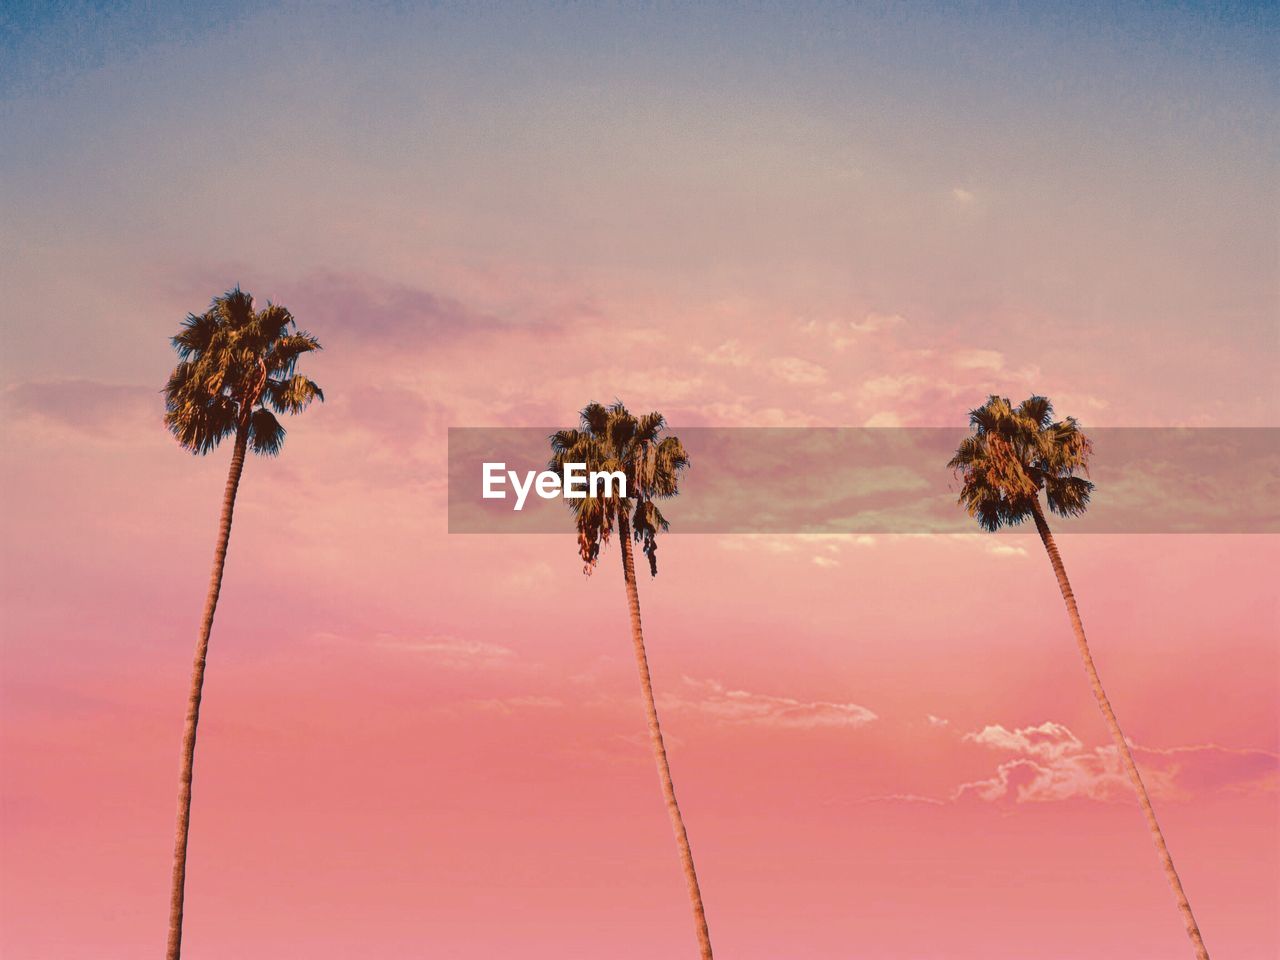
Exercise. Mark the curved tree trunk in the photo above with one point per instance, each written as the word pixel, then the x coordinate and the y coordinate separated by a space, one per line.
pixel 659 749
pixel 1113 725
pixel 193 701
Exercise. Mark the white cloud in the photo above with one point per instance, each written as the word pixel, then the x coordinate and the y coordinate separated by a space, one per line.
pixel 731 353
pixel 737 414
pixel 996 548
pixel 875 322
pixel 813 543
pixel 903 798
pixel 1051 763
pixel 843 333
pixel 889 386
pixel 529 576
pixel 962 196
pixel 508 705
pixel 883 419
pixel 452 652
pixel 798 371
pixel 713 699
pixel 1049 740
pixel 997 545
pixel 974 359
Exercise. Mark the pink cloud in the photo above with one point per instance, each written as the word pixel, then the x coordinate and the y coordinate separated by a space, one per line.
pixel 89 407
pixel 1051 763
pixel 443 651
pixel 712 698
pixel 372 311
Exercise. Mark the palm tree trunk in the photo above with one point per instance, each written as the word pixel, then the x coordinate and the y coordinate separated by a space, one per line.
pixel 659 748
pixel 1117 737
pixel 193 700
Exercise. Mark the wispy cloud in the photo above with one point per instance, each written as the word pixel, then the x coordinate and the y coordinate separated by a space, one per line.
pixel 368 311
pixel 454 653
pixel 1048 762
pixel 974 359
pixel 731 353
pixel 818 546
pixel 510 705
pixel 87 407
pixel 900 798
pixel 798 371
pixel 843 333
pixel 712 698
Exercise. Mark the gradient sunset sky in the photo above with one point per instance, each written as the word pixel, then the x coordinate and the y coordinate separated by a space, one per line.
pixel 425 745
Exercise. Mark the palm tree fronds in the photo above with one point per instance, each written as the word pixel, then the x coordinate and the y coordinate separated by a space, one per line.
pixel 265 433
pixel 233 360
pixel 611 439
pixel 201 426
pixel 1014 453
pixel 195 336
pixel 293 395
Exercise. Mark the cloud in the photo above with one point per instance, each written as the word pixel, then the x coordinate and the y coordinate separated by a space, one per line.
pixel 1186 472
pixel 998 549
pixel 903 798
pixel 889 386
pixel 1210 767
pixel 813 544
pixel 87 407
pixel 510 705
pixel 529 576
pixel 1050 763
pixel 444 651
pixel 1048 740
pixel 962 196
pixel 713 699
pixel 883 419
pixel 973 359
pixel 875 322
pixel 397 418
pixel 798 371
pixel 1011 544
pixel 843 333
pixel 731 353
pixel 740 414
pixel 377 312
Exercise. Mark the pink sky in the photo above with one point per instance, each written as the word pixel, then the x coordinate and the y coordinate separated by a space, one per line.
pixel 432 745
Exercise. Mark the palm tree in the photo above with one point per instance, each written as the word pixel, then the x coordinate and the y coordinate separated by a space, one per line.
pixel 1011 455
pixel 612 439
pixel 233 363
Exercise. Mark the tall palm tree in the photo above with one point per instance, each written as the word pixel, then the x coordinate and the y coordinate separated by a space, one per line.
pixel 612 439
pixel 1012 454
pixel 234 363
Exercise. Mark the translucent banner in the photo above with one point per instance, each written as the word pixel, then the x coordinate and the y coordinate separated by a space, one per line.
pixel 886 480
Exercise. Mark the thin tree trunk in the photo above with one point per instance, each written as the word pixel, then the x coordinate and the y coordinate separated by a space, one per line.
pixel 659 749
pixel 1122 746
pixel 193 701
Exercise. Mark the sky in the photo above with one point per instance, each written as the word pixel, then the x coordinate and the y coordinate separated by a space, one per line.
pixel 794 215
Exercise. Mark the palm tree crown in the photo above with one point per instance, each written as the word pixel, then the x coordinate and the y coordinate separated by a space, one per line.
pixel 234 363
pixel 1013 454
pixel 613 439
